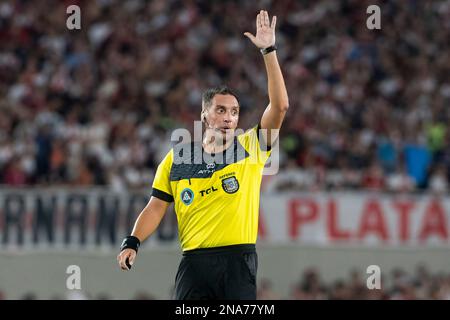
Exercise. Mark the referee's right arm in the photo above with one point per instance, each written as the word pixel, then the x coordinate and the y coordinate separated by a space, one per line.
pixel 150 217
pixel 146 223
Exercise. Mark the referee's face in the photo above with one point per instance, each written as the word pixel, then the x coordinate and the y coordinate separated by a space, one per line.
pixel 223 115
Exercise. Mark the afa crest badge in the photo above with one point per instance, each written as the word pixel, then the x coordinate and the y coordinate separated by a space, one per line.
pixel 230 185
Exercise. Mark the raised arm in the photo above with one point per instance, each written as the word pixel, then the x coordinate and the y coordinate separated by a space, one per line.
pixel 279 103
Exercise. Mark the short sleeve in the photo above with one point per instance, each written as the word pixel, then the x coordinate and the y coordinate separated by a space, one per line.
pixel 161 184
pixel 255 145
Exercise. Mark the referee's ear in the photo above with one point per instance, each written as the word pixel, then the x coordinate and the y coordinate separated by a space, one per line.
pixel 203 116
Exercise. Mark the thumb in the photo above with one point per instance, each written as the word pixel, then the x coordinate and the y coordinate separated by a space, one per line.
pixel 250 36
pixel 131 258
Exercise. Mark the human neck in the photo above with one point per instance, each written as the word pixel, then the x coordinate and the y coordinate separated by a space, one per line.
pixel 212 144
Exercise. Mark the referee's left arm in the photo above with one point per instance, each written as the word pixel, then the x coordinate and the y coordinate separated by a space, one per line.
pixel 279 103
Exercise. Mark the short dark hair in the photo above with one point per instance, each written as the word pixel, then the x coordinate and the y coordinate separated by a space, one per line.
pixel 209 94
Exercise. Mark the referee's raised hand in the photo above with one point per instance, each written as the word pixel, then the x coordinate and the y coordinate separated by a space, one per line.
pixel 265 31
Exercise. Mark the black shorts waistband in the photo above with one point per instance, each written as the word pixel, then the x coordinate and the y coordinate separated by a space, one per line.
pixel 236 248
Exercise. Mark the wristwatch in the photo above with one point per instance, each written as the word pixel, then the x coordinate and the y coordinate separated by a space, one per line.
pixel 265 51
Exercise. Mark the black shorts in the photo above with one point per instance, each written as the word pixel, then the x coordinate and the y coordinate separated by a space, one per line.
pixel 218 273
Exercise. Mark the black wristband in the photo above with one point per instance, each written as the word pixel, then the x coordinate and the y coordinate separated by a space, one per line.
pixel 265 51
pixel 130 242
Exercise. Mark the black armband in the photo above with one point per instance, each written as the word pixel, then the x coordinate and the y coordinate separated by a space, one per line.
pixel 131 242
pixel 265 51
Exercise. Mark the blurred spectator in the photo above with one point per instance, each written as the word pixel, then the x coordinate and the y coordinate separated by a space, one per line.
pixel 438 181
pixel 142 295
pixel 13 173
pixel 97 106
pixel 29 296
pixel 265 290
pixel 388 152
pixel 398 284
pixel 103 296
pixel 418 161
pixel 310 286
pixel 373 178
pixel 401 286
pixel 340 291
pixel 400 181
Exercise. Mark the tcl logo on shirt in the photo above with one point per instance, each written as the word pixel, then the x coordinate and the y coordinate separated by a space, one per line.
pixel 208 191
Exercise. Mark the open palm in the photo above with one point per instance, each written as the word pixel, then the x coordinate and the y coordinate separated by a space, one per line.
pixel 265 31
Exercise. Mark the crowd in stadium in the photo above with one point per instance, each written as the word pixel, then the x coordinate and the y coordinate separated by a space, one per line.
pixel 421 284
pixel 397 285
pixel 96 106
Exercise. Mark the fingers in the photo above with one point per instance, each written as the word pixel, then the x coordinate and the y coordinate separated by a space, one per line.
pixel 250 36
pixel 123 256
pixel 266 19
pixel 258 21
pixel 263 20
pixel 132 257
pixel 274 22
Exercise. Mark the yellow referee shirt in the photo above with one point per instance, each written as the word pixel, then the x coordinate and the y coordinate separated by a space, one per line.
pixel 216 196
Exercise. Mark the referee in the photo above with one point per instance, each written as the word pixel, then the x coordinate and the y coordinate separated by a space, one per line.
pixel 217 204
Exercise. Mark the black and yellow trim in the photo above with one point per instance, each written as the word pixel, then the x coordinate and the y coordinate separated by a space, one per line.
pixel 162 195
pixel 263 146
